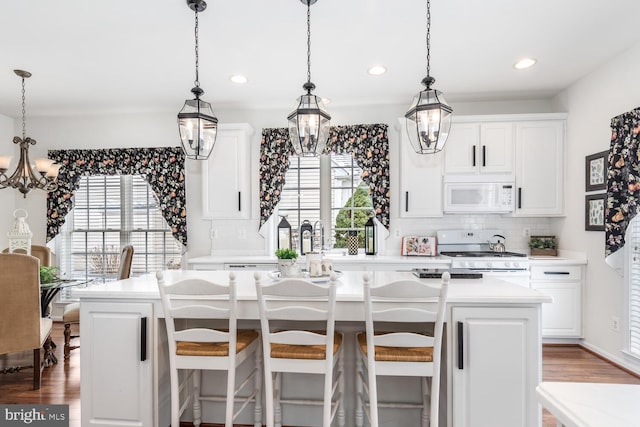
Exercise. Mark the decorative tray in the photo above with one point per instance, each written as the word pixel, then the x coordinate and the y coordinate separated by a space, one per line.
pixel 275 275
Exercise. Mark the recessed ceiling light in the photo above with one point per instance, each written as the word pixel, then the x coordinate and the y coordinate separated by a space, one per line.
pixel 377 70
pixel 524 63
pixel 326 101
pixel 238 78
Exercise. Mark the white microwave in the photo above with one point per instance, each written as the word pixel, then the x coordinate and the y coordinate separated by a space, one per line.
pixel 479 193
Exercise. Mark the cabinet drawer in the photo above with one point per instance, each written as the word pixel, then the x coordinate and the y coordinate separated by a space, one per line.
pixel 556 272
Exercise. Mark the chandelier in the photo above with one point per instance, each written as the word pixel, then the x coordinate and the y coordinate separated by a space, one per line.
pixel 24 178
pixel 309 122
pixel 429 118
pixel 197 123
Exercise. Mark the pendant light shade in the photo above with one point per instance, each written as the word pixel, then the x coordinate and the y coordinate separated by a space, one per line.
pixel 198 127
pixel 197 124
pixel 429 117
pixel 309 126
pixel 309 123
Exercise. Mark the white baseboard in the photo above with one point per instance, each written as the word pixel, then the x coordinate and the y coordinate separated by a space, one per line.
pixel 630 363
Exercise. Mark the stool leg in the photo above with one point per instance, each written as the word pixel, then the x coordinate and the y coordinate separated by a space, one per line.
pixel 197 406
pixel 257 408
pixel 277 413
pixel 67 341
pixel 359 389
pixel 341 415
pixel 425 401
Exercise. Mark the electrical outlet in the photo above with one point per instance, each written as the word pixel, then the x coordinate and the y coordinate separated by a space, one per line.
pixel 615 323
pixel 214 233
pixel 526 232
pixel 397 232
pixel 242 233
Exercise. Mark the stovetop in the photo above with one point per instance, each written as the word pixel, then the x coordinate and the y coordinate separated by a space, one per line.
pixel 481 254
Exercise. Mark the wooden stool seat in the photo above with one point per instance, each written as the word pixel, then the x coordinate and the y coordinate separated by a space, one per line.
pixel 397 354
pixel 216 349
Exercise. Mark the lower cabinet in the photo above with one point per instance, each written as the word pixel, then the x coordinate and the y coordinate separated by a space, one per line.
pixel 563 317
pixel 116 366
pixel 495 367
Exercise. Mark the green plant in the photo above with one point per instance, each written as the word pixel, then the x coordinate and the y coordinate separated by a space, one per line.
pixel 286 254
pixel 49 274
pixel 542 242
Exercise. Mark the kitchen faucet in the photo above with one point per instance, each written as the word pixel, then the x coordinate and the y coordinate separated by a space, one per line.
pixel 318 241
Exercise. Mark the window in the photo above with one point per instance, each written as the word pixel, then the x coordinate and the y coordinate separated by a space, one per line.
pixel 110 212
pixel 633 242
pixel 345 205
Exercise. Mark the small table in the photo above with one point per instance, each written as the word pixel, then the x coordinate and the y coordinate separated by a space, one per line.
pixel 591 404
pixel 48 291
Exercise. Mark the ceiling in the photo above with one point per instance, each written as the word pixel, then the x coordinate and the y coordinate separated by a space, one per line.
pixel 122 56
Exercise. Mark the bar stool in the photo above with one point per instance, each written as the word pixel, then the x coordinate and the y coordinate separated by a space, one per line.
pixel 296 349
pixel 382 353
pixel 195 346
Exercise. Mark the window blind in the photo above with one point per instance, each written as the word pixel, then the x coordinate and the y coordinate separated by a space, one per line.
pixel 111 212
pixel 634 287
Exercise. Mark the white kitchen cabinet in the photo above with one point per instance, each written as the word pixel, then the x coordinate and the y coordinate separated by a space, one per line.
pixel 496 367
pixel 539 168
pixel 420 181
pixel 563 317
pixel 116 366
pixel 479 148
pixel 226 175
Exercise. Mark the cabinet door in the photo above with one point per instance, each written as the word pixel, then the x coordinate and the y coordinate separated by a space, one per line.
pixel 539 168
pixel 227 175
pixel 562 317
pixel 496 148
pixel 116 367
pixel 496 367
pixel 462 148
pixel 420 182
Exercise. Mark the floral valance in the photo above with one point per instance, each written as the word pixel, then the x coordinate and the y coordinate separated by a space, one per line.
pixel 163 169
pixel 368 144
pixel 623 182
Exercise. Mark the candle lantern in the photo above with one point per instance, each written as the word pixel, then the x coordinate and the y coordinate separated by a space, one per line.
pixel 20 234
pixel 284 234
pixel 370 237
pixel 306 237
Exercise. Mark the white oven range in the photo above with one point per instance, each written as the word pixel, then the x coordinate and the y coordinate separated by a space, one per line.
pixel 469 249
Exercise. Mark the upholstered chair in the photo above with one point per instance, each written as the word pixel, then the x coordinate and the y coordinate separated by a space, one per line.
pixel 22 327
pixel 43 253
pixel 71 314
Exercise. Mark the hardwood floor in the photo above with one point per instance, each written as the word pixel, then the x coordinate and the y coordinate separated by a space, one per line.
pixel 61 382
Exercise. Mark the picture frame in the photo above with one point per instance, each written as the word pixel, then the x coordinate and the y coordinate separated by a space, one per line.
pixel 594 212
pixel 596 171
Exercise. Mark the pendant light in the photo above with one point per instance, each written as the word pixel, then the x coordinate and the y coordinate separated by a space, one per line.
pixel 309 122
pixel 197 123
pixel 24 178
pixel 429 118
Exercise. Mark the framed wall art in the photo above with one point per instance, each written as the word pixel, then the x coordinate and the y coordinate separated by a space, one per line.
pixel 594 212
pixel 596 171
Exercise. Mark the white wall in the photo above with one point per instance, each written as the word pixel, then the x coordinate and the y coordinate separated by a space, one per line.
pixel 7 197
pixel 610 90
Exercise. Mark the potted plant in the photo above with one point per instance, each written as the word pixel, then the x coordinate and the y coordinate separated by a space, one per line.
pixel 286 261
pixel 49 274
pixel 543 245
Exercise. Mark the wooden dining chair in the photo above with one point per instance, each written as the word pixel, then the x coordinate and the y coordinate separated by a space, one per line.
pixel 71 314
pixel 22 326
pixel 401 351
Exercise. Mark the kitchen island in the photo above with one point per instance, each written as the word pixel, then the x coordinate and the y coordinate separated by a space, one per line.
pixel 493 350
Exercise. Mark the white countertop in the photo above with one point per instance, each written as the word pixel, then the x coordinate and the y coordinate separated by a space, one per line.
pixel 349 287
pixel 591 404
pixel 337 258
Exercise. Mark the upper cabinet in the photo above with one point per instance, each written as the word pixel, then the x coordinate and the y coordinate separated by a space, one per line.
pixel 475 147
pixel 539 167
pixel 226 185
pixel 420 180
